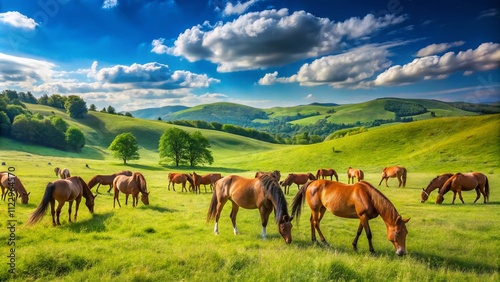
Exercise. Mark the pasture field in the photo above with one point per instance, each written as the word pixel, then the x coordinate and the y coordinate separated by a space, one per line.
pixel 170 240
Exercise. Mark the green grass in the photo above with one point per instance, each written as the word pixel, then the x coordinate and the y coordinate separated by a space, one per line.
pixel 171 241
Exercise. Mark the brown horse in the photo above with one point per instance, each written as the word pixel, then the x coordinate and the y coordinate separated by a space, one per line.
pixel 435 183
pixel 263 193
pixel 106 180
pixel 360 200
pixel 275 174
pixel 180 178
pixel 62 173
pixel 323 172
pixel 131 185
pixel 208 179
pixel 8 180
pixel 63 190
pixel 394 171
pixel 465 182
pixel 354 173
pixel 299 179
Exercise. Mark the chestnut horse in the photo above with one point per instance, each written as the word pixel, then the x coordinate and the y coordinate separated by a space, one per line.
pixel 106 180
pixel 275 174
pixel 299 179
pixel 62 173
pixel 435 183
pixel 323 172
pixel 180 178
pixel 8 180
pixel 263 193
pixel 360 200
pixel 131 185
pixel 63 190
pixel 394 171
pixel 465 182
pixel 354 173
pixel 208 179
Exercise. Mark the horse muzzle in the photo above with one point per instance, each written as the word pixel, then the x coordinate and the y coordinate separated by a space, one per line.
pixel 401 252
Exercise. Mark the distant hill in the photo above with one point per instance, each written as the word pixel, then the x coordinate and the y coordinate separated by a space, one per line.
pixel 155 113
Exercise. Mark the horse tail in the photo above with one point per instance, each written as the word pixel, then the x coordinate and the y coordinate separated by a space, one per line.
pixel 361 175
pixel 336 175
pixel 298 201
pixel 317 174
pixel 487 190
pixel 37 215
pixel 212 209
pixel 404 177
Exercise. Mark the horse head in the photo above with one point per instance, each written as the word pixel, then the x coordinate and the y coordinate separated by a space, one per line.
pixel 285 228
pixel 24 198
pixel 397 235
pixel 89 202
pixel 145 198
pixel 424 196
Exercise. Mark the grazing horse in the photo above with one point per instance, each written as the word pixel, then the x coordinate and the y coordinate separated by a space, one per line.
pixel 62 173
pixel 435 183
pixel 299 179
pixel 323 172
pixel 63 190
pixel 465 182
pixel 354 173
pixel 263 193
pixel 9 180
pixel 394 171
pixel 131 185
pixel 106 180
pixel 180 178
pixel 275 174
pixel 360 200
pixel 208 179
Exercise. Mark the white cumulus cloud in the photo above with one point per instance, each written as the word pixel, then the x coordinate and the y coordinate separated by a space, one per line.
pixel 108 4
pixel 239 8
pixel 435 49
pixel 17 20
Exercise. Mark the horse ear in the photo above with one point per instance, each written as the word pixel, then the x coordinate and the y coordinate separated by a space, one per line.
pixel 29 193
pixel 95 196
pixel 423 189
pixel 406 220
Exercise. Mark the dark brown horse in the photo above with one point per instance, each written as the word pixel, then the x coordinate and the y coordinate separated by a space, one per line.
pixel 180 178
pixel 275 174
pixel 131 185
pixel 299 179
pixel 435 183
pixel 62 173
pixel 263 193
pixel 323 172
pixel 360 200
pixel 8 180
pixel 106 180
pixel 354 173
pixel 63 190
pixel 208 179
pixel 394 171
pixel 465 182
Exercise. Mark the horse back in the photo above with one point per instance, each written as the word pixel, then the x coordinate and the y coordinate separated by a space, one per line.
pixel 66 189
pixel 338 198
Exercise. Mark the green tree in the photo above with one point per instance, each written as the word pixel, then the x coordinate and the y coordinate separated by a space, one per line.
pixel 75 139
pixel 4 124
pixel 59 123
pixel 125 147
pixel 56 101
pixel 111 110
pixel 172 145
pixel 92 108
pixel 75 106
pixel 197 150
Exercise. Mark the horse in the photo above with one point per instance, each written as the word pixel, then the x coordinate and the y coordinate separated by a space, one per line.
pixel 62 173
pixel 106 180
pixel 354 173
pixel 8 180
pixel 299 179
pixel 435 183
pixel 323 172
pixel 394 171
pixel 63 190
pixel 131 185
pixel 263 193
pixel 180 178
pixel 360 200
pixel 208 179
pixel 465 182
pixel 275 174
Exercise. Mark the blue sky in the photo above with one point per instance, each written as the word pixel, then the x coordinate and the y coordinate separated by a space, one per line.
pixel 136 54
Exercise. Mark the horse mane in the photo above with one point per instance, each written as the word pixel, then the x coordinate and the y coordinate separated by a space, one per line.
pixel 189 178
pixel 85 188
pixel 447 185
pixel 381 202
pixel 139 178
pixel 272 188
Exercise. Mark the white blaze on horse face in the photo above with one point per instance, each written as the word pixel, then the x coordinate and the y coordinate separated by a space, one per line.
pixel 216 228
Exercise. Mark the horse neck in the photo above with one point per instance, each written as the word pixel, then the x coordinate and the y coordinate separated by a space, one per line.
pixel 431 187
pixel 20 187
pixel 384 207
pixel 85 189
pixel 446 186
pixel 139 180
pixel 274 194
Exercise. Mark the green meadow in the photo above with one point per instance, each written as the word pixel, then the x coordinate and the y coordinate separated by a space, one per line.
pixel 170 240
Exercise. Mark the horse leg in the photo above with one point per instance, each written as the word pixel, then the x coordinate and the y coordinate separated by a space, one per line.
pixel 386 185
pixel 400 181
pixel 380 181
pixel 460 196
pixel 454 196
pixel 368 231
pixel 77 205
pixel 97 189
pixel 117 199
pixel 220 206
pixel 70 203
pixel 58 212
pixel 232 215
pixel 478 195
pixel 126 199
pixel 315 220
pixel 53 211
pixel 358 233
pixel 264 216
pixel 110 187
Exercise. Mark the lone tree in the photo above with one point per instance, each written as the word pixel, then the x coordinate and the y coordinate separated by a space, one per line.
pixel 125 147
pixel 75 106
pixel 197 150
pixel 75 139
pixel 173 144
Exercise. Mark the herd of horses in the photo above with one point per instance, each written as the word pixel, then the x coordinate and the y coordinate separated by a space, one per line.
pixel 264 192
